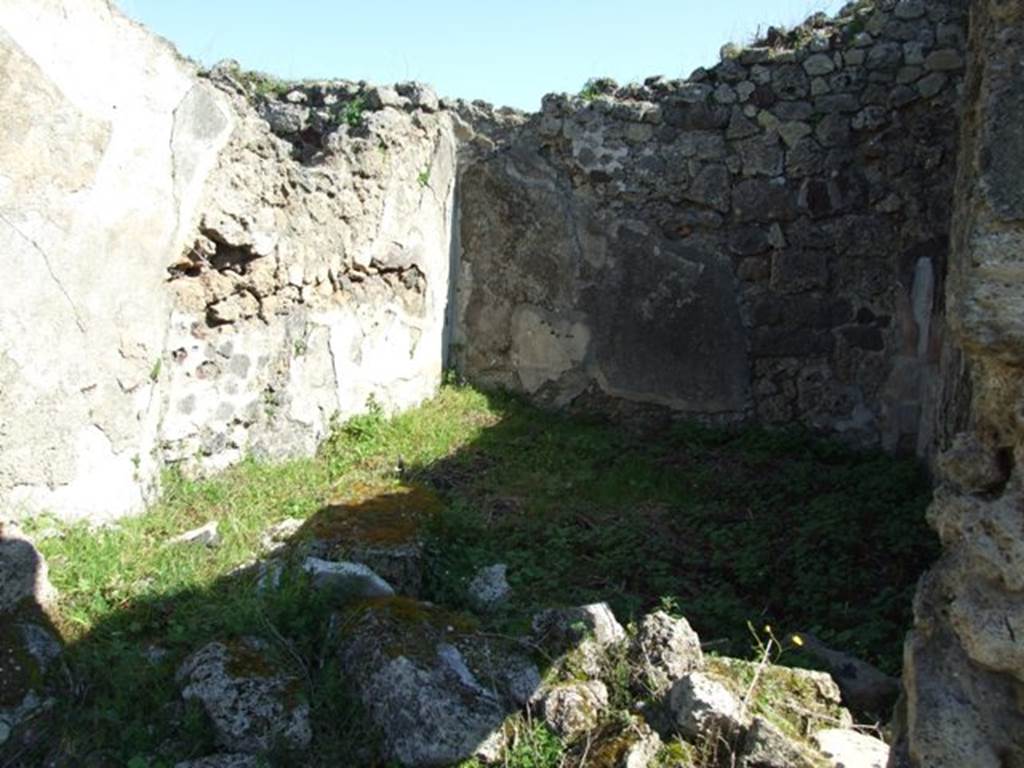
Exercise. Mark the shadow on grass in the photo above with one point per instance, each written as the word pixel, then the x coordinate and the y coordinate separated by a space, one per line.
pixel 723 527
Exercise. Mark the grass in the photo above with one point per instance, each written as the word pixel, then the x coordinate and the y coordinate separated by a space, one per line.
pixel 722 527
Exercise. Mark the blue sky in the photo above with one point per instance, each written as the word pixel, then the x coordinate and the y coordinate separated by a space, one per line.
pixel 507 53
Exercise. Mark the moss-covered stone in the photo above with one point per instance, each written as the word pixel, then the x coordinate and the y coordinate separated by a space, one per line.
pixel 797 701
pixel 376 514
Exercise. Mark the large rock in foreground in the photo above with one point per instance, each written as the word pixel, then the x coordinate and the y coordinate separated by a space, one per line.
pixel 438 693
pixel 253 706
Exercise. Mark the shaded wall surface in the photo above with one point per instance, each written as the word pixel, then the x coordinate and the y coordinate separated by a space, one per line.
pixel 964 661
pixel 765 241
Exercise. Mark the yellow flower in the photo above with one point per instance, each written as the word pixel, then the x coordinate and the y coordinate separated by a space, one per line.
pixel 797 640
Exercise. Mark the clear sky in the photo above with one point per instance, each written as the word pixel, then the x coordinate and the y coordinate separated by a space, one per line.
pixel 506 53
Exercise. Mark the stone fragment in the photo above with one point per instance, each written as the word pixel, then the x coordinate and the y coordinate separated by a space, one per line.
pixel 665 649
pixel 571 709
pixel 865 688
pixel 489 590
pixel 346 580
pixel 765 746
pixel 812 695
pixel 252 705
pixel 204 536
pixel 567 626
pixel 437 693
pixel 644 749
pixel 846 748
pixel 702 707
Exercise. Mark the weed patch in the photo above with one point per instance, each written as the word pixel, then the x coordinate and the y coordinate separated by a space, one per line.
pixel 724 527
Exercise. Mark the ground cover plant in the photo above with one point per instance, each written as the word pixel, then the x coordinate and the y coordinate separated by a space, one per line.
pixel 728 528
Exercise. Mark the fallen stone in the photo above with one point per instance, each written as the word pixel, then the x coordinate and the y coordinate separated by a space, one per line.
pixel 489 590
pixel 346 580
pixel 702 707
pixel 567 626
pixel 438 693
pixel 626 742
pixel 205 535
pixel 864 687
pixel 765 746
pixel 642 752
pixel 380 528
pixel 253 705
pixel 665 649
pixel 812 701
pixel 579 638
pixel 571 709
pixel 847 748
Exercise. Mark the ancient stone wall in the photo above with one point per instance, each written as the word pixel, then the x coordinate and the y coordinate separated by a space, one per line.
pixel 201 268
pixel 102 162
pixel 317 281
pixel 765 241
pixel 964 661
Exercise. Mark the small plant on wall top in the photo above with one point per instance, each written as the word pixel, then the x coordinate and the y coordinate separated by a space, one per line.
pixel 353 111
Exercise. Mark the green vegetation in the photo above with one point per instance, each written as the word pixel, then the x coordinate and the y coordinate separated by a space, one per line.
pixel 352 112
pixel 723 527
pixel 596 86
pixel 424 177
